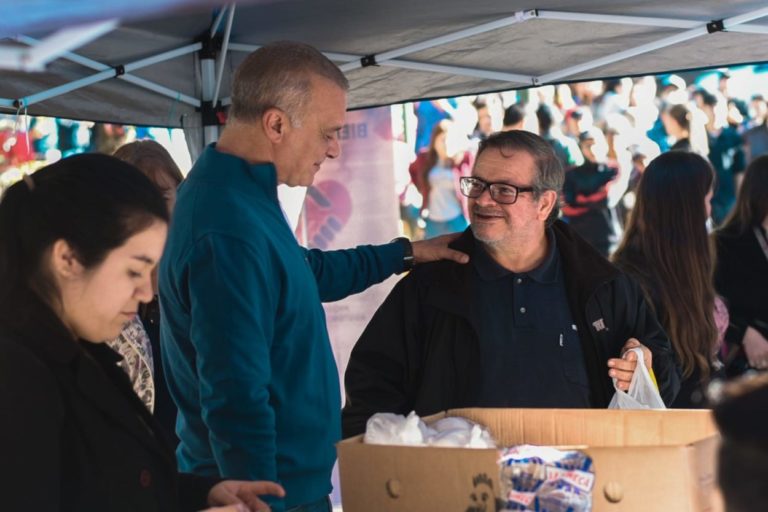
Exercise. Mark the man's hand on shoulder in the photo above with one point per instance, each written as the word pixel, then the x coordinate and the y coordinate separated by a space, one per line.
pixel 437 248
pixel 623 368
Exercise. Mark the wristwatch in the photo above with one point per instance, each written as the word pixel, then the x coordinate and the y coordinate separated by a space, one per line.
pixel 407 252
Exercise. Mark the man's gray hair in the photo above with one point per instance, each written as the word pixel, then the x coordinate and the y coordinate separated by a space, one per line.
pixel 549 171
pixel 279 75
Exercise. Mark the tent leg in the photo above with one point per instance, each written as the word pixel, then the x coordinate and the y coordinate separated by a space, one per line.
pixel 208 73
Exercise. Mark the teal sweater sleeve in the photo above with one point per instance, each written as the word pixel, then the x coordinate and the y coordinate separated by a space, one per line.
pixel 232 327
pixel 349 271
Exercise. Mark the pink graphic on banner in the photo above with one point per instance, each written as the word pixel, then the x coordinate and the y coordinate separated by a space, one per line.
pixel 328 207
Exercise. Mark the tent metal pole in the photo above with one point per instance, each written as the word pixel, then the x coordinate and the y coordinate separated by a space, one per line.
pixel 334 56
pixel 641 21
pixel 749 29
pixel 518 17
pixel 50 48
pixel 162 57
pixel 106 75
pixel 160 89
pixel 217 21
pixel 208 75
pixel 649 47
pixel 458 70
pixel 617 19
pixel 63 89
pixel 135 80
pixel 222 57
pixel 64 40
pixel 408 64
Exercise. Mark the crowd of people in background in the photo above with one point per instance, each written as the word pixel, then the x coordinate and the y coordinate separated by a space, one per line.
pixel 605 132
pixel 29 142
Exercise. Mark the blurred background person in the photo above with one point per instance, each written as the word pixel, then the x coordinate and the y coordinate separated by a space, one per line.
pixel 139 342
pixel 741 275
pixel 743 453
pixel 685 129
pixel 567 150
pixel 585 194
pixel 436 173
pixel 666 248
pixel 429 114
pixel 756 136
pixel 725 151
pixel 514 117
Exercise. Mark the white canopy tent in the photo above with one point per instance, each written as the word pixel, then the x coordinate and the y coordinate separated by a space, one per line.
pixel 174 69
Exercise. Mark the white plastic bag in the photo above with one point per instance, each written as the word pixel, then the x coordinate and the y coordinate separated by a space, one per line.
pixel 642 393
pixel 395 429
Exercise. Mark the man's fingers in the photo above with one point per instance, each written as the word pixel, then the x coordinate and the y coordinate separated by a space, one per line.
pixel 623 364
pixel 621 375
pixel 457 256
pixel 265 487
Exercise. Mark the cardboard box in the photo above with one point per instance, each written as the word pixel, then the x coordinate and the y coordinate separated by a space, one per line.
pixel 643 460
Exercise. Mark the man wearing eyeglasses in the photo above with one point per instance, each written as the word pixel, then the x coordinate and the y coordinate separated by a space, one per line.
pixel 537 319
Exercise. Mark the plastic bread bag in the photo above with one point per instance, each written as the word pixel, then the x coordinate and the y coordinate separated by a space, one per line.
pixel 395 429
pixel 545 479
pixel 642 393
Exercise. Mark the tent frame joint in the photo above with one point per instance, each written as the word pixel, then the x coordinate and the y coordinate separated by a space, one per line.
pixel 211 45
pixel 715 26
pixel 119 70
pixel 368 61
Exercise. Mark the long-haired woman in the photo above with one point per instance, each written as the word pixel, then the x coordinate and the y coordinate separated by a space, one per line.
pixel 741 275
pixel 666 248
pixel 78 243
pixel 436 173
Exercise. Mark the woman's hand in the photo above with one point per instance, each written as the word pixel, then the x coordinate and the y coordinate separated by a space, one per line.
pixel 756 348
pixel 243 493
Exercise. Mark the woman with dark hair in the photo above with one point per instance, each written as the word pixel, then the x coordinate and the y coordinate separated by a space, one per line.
pixel 139 342
pixel 666 248
pixel 78 242
pixel 686 128
pixel 741 275
pixel 436 173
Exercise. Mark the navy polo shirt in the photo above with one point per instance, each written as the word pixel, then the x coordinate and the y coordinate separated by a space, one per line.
pixel 530 350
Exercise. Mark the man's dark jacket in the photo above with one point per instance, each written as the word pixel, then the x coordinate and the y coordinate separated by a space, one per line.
pixel 420 351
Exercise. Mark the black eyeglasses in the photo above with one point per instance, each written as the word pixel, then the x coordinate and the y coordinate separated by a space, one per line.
pixel 502 193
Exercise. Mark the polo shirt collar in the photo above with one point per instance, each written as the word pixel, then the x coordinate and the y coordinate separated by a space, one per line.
pixel 489 270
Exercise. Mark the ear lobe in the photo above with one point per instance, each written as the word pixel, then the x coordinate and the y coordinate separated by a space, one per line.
pixel 64 260
pixel 546 203
pixel 275 123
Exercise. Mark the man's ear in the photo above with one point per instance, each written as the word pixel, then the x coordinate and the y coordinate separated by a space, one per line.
pixel 275 123
pixel 64 262
pixel 547 201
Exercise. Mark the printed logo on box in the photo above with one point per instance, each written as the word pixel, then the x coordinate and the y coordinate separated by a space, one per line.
pixel 482 498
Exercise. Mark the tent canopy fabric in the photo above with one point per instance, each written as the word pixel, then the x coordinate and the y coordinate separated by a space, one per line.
pixel 517 44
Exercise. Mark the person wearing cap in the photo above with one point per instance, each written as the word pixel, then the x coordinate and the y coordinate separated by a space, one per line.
pixel 590 194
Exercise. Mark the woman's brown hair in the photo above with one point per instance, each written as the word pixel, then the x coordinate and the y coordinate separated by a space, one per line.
pixel 667 249
pixel 752 202
pixel 150 158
